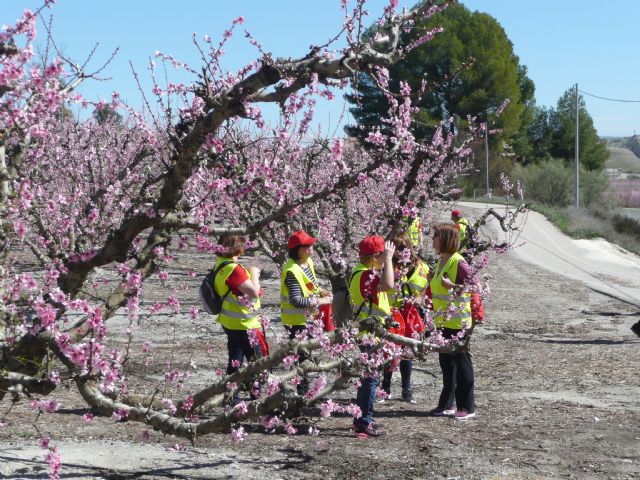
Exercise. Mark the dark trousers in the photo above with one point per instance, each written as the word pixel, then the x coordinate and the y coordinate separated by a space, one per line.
pixel 239 348
pixel 293 330
pixel 406 367
pixel 457 379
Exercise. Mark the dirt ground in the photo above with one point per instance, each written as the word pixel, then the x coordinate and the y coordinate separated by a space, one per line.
pixel 557 392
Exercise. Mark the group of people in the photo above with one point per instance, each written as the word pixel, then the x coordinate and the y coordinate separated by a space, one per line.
pixel 389 280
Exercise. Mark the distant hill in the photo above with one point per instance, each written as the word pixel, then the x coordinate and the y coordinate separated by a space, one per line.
pixel 624 153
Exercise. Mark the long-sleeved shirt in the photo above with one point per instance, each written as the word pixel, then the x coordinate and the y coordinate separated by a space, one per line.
pixel 295 290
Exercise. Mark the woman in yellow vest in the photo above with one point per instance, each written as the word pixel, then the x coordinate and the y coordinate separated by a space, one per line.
pixel 300 294
pixel 452 315
pixel 411 273
pixel 370 280
pixel 240 288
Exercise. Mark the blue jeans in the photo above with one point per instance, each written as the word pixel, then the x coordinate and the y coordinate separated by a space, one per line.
pixel 366 399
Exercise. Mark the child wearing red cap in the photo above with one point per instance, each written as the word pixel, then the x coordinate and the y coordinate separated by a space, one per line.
pixel 369 282
pixel 300 294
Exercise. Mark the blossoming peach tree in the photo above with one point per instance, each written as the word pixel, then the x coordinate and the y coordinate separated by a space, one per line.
pixel 92 209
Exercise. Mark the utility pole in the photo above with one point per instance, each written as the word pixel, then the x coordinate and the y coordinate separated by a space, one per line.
pixel 486 154
pixel 577 147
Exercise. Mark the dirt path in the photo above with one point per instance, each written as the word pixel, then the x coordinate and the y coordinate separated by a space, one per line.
pixel 557 388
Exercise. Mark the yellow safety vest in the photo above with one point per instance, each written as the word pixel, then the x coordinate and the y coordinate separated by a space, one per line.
pixel 414 232
pixel 293 315
pixel 234 315
pixel 442 298
pixel 463 224
pixel 382 309
pixel 412 286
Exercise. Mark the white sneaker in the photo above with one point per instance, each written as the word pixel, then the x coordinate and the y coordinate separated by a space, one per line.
pixel 463 415
pixel 442 413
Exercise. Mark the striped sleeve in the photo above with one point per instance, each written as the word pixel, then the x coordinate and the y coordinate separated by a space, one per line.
pixel 295 292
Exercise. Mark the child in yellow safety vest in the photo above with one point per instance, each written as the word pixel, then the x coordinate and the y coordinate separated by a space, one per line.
pixel 370 280
pixel 239 317
pixel 462 224
pixel 452 315
pixel 300 294
pixel 411 274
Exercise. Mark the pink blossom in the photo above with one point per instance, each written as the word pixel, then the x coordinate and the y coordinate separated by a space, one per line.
pixel 54 462
pixel 289 428
pixel 238 435
pixel 318 384
pixel 241 409
pixel 87 417
pixel 187 403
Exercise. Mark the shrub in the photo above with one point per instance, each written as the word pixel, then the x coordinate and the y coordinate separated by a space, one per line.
pixel 593 185
pixel 548 182
pixel 626 225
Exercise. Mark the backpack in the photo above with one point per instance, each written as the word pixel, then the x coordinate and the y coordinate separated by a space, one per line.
pixel 210 299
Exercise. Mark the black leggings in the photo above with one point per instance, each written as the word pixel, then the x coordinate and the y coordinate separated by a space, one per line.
pixel 239 348
pixel 457 379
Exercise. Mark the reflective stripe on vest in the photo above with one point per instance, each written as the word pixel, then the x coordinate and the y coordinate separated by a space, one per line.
pixel 450 310
pixel 234 315
pixel 290 314
pixel 357 300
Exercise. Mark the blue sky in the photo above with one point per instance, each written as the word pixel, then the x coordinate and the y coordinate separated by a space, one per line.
pixel 561 41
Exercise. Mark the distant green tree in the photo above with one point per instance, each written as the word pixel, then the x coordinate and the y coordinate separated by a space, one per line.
pixel 470 69
pixel 562 126
pixel 107 114
pixel 539 133
pixel 522 141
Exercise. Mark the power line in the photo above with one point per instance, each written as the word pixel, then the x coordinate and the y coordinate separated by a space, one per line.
pixel 609 99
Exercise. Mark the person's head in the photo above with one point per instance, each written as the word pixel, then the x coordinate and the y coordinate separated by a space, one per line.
pixel 404 253
pixel 233 245
pixel 300 246
pixel 446 238
pixel 456 215
pixel 371 251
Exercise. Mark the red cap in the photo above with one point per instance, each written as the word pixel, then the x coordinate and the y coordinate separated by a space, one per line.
pixel 300 238
pixel 456 213
pixel 371 245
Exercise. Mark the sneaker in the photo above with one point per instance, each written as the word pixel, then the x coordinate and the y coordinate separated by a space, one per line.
pixel 635 328
pixel 442 412
pixel 407 396
pixel 463 415
pixel 371 430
